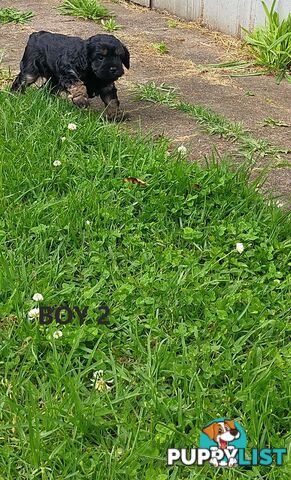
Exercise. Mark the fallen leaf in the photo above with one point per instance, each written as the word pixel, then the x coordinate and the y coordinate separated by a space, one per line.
pixel 124 360
pixel 136 181
pixel 196 186
pixel 7 321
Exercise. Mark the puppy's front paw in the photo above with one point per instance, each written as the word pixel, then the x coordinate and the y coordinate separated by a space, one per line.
pixel 115 115
pixel 78 94
pixel 81 101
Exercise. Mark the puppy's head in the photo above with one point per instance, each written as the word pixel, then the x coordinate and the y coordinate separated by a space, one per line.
pixel 222 432
pixel 107 55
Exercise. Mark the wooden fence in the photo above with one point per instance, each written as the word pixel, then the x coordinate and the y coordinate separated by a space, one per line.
pixel 225 15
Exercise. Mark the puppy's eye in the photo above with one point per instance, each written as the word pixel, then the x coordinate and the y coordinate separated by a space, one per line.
pixel 100 57
pixel 220 430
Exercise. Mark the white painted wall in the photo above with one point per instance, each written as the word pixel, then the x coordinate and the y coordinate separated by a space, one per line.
pixel 225 15
pixel 189 9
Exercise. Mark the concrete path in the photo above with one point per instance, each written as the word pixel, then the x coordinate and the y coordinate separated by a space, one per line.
pixel 189 46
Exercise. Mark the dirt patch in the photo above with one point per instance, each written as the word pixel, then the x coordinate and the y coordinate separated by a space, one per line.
pixel 190 45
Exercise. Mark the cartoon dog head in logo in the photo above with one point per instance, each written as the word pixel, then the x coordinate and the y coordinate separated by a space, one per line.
pixel 222 432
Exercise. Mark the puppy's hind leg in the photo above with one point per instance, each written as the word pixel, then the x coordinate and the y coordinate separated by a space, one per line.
pixel 18 84
pixel 23 79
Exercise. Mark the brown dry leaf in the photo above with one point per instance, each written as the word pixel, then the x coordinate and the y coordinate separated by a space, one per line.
pixel 125 360
pixel 196 186
pixel 136 181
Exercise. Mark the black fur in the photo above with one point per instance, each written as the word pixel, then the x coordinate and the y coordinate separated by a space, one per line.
pixel 68 61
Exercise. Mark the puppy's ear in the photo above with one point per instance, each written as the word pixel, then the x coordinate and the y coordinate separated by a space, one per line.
pixel 125 57
pixel 230 424
pixel 91 46
pixel 209 431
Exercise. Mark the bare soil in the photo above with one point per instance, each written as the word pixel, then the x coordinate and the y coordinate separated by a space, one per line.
pixel 190 45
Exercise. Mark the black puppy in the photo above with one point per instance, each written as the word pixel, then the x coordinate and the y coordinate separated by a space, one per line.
pixel 83 68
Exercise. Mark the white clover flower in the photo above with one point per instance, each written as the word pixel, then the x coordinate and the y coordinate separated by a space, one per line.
pixel 182 149
pixel 63 139
pixel 72 126
pixel 57 163
pixel 239 247
pixel 33 313
pixel 58 334
pixel 37 297
pixel 99 383
pixel 88 222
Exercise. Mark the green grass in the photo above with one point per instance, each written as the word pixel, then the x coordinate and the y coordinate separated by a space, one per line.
pixel 88 9
pixel 213 123
pixel 249 93
pixel 110 25
pixel 271 45
pixel 161 48
pixel 5 74
pixel 172 23
pixel 196 330
pixel 11 15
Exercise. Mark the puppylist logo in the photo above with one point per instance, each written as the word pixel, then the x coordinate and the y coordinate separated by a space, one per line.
pixel 223 443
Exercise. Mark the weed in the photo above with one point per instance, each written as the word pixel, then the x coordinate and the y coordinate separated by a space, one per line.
pixel 249 93
pixel 274 123
pixel 11 15
pixel 110 25
pixel 271 45
pixel 160 47
pixel 88 9
pixel 164 93
pixel 171 23
pixel 233 65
